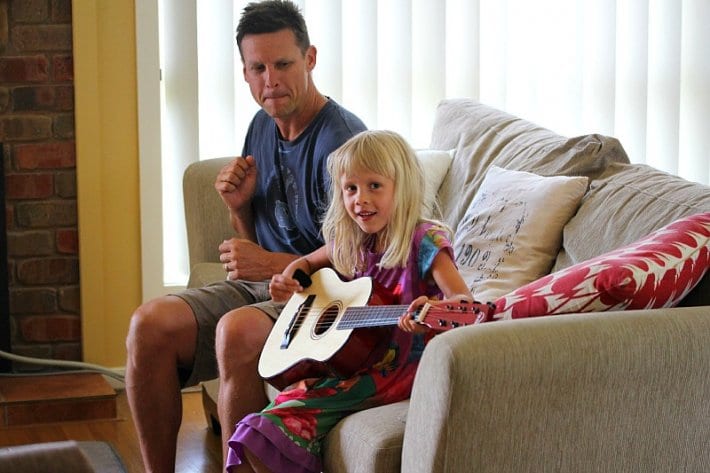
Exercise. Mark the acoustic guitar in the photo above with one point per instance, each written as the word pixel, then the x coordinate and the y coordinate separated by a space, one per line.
pixel 329 330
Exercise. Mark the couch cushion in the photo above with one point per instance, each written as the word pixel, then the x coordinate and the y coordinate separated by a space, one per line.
pixel 625 203
pixel 512 231
pixel 483 136
pixel 367 441
pixel 656 271
pixel 435 164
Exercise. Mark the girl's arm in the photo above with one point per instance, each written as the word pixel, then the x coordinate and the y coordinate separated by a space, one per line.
pixel 282 285
pixel 449 280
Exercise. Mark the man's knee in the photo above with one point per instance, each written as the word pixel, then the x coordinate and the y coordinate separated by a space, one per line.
pixel 242 333
pixel 160 323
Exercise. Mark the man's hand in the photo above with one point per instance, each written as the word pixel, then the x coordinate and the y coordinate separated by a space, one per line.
pixel 244 259
pixel 236 182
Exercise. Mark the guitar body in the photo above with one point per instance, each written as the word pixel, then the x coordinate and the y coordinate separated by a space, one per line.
pixel 314 347
pixel 328 329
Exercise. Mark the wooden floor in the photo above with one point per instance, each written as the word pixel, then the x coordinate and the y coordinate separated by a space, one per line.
pixel 199 449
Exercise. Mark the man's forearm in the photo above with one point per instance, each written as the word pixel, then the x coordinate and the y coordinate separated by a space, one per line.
pixel 243 224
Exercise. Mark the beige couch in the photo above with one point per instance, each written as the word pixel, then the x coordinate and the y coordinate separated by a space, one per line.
pixel 613 391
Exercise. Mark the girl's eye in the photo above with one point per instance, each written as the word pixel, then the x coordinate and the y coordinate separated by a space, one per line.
pixel 375 185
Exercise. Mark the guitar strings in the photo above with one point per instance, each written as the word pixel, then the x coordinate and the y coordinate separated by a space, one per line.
pixel 360 316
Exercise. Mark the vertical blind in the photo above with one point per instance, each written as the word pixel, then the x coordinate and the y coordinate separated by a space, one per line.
pixel 634 69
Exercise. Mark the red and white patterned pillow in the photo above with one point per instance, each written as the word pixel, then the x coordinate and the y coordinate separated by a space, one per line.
pixel 656 271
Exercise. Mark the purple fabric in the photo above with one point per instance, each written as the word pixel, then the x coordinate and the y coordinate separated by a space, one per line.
pixel 266 441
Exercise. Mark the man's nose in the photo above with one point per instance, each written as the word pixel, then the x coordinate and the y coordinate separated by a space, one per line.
pixel 271 77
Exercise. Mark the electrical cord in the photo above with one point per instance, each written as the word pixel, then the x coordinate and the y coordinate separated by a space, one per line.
pixel 78 365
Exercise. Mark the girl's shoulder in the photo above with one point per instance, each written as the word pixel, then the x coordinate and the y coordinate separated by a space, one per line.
pixel 432 230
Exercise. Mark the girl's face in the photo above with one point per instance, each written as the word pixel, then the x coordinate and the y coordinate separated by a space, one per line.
pixel 368 198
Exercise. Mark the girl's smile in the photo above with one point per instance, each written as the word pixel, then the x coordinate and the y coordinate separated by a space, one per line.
pixel 368 199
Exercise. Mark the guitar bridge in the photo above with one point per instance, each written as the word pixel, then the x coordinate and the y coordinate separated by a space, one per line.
pixel 296 321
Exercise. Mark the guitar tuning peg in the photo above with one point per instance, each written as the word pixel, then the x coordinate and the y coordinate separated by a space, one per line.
pixel 442 323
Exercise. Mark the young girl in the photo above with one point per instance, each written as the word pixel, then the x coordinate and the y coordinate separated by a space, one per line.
pixel 373 228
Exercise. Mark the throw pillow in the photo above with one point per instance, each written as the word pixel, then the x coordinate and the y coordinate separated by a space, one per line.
pixel 512 230
pixel 435 164
pixel 656 271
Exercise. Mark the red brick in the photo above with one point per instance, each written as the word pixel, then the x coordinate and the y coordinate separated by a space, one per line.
pixel 65 98
pixel 61 11
pixel 30 351
pixel 33 300
pixel 60 154
pixel 34 98
pixel 4 27
pixel 30 11
pixel 29 186
pixel 41 38
pixel 70 299
pixel 67 351
pixel 45 214
pixel 4 99
pixel 9 216
pixel 63 126
pixel 50 328
pixel 65 185
pixel 67 241
pixel 30 243
pixel 25 128
pixel 42 271
pixel 63 67
pixel 21 69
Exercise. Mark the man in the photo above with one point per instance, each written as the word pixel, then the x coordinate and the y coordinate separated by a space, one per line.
pixel 275 193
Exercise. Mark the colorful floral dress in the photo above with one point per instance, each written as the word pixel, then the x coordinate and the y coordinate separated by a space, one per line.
pixel 287 434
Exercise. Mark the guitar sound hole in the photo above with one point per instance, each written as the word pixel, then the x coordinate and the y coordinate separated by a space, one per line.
pixel 326 319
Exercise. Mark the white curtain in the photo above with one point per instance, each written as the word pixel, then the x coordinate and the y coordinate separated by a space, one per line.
pixel 634 69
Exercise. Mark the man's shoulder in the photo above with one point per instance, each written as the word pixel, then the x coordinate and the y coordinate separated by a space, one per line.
pixel 335 116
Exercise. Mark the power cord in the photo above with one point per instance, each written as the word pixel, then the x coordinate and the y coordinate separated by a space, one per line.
pixel 79 366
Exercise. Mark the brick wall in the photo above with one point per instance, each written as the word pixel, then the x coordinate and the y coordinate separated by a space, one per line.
pixel 37 133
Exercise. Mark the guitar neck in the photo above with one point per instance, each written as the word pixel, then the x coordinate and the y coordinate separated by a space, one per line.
pixel 371 316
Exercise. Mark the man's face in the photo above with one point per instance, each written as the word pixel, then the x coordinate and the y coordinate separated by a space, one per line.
pixel 277 72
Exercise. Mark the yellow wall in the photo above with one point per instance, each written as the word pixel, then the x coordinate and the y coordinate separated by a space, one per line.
pixel 107 174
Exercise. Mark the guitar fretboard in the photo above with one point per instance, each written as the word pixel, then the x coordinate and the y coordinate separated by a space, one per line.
pixel 370 316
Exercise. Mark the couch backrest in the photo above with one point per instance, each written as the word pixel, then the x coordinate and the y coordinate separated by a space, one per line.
pixel 483 136
pixel 624 202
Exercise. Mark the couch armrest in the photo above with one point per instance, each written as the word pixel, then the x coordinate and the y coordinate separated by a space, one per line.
pixel 206 217
pixel 623 391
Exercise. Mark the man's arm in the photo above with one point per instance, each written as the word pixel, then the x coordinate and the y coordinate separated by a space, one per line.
pixel 244 259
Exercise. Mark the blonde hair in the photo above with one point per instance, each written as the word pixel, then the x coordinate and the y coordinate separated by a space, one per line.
pixel 385 153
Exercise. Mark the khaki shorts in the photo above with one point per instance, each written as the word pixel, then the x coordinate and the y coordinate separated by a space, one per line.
pixel 209 304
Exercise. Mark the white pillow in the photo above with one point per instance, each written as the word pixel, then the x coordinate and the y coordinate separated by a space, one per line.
pixel 512 230
pixel 435 164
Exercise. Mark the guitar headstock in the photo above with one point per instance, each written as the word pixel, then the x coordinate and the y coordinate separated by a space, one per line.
pixel 445 315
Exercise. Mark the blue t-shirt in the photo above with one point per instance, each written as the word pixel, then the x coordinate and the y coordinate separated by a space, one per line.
pixel 292 189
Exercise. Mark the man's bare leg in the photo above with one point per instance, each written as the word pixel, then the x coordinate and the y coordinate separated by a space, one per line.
pixel 240 338
pixel 161 337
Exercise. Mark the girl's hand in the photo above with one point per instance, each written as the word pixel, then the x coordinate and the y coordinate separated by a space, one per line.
pixel 407 323
pixel 282 287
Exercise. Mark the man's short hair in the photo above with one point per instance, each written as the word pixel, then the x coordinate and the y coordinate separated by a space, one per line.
pixel 271 16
